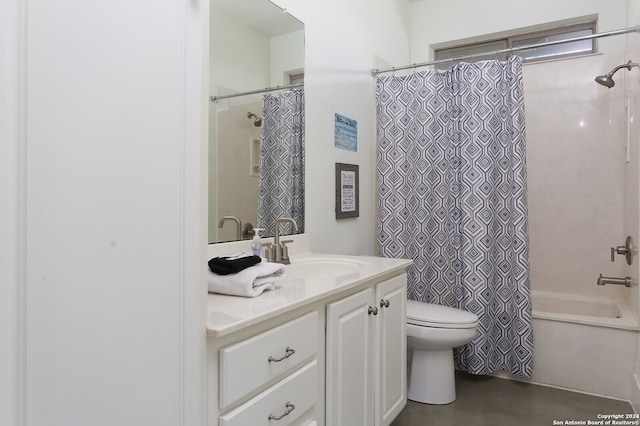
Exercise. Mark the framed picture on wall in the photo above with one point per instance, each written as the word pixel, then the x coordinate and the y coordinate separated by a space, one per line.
pixel 347 191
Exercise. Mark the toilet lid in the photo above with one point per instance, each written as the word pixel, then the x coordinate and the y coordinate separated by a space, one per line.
pixel 432 315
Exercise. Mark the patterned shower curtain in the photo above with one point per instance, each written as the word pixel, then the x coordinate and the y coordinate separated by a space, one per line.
pixel 452 196
pixel 281 180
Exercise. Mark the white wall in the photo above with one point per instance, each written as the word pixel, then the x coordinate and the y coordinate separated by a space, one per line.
pixel 287 56
pixel 239 57
pixel 435 21
pixel 105 145
pixel 344 39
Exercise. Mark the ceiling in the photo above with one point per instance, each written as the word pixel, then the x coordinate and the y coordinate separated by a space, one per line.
pixel 261 15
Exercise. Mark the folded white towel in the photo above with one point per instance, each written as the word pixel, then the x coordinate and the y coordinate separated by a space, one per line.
pixel 249 282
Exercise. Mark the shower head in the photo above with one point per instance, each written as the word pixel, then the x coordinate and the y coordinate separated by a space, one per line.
pixel 257 121
pixel 607 79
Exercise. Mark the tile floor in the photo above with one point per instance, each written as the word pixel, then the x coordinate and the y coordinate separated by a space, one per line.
pixel 489 401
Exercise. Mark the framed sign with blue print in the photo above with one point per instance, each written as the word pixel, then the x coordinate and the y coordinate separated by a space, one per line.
pixel 346 133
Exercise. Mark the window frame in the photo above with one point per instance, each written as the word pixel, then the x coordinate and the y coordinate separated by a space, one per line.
pixel 508 40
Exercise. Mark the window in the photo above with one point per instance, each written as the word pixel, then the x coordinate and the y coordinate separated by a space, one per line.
pixel 296 78
pixel 563 50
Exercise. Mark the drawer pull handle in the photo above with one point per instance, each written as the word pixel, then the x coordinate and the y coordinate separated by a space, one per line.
pixel 287 353
pixel 289 408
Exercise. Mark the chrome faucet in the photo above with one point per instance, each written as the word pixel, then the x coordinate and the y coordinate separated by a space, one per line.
pixel 223 219
pixel 279 252
pixel 626 281
pixel 628 250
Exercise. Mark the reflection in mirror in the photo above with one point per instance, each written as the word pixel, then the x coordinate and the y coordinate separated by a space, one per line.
pixel 256 136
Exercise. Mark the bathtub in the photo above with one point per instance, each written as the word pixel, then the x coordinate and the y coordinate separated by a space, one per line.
pixel 583 310
pixel 584 343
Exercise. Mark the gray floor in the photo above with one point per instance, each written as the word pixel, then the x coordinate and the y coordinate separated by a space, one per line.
pixel 489 401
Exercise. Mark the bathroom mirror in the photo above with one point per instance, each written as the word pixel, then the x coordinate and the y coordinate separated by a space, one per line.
pixel 254 45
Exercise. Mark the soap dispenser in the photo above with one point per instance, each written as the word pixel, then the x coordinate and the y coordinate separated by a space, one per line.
pixel 256 245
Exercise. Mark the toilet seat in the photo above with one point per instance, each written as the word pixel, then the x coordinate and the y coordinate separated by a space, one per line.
pixel 438 316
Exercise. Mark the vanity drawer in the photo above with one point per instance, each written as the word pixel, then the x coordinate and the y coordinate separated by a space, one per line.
pixel 245 366
pixel 289 398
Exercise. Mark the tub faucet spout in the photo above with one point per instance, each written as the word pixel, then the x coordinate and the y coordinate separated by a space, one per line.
pixel 626 281
pixel 234 219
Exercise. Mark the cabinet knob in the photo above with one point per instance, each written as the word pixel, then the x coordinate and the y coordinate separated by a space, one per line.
pixel 384 303
pixel 289 407
pixel 287 353
pixel 373 310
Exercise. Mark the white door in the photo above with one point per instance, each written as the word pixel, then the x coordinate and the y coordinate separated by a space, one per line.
pixel 391 347
pixel 102 212
pixel 349 367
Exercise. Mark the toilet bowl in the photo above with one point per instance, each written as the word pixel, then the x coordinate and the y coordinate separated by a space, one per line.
pixel 432 333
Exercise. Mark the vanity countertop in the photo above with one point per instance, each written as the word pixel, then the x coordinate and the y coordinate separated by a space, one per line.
pixel 310 277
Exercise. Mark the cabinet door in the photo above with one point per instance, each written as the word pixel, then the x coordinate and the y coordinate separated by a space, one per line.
pixel 391 349
pixel 349 390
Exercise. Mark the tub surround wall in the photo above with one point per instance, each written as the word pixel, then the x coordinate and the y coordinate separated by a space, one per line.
pixel 632 167
pixel 575 157
pixel 632 177
pixel 233 144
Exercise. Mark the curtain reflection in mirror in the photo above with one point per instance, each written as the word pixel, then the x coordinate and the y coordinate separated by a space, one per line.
pixel 281 180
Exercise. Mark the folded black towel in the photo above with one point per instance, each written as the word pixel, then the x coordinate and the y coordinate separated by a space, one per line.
pixel 226 265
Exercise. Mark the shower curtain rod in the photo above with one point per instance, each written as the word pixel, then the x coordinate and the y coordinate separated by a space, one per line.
pixel 253 92
pixel 375 72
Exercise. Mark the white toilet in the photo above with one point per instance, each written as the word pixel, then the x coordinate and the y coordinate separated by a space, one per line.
pixel 432 333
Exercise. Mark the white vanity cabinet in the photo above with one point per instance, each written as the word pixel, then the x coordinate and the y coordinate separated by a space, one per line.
pixel 366 355
pixel 333 363
pixel 270 378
